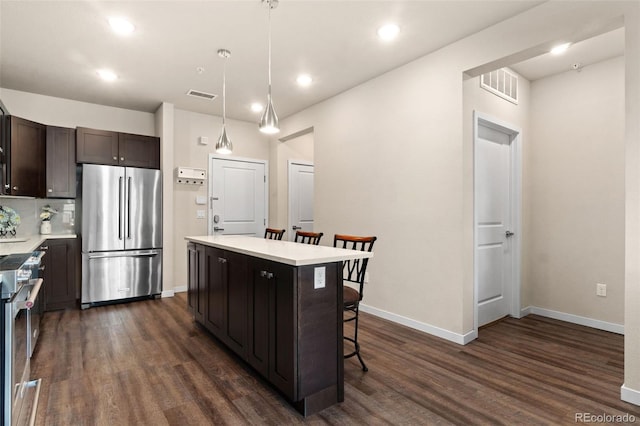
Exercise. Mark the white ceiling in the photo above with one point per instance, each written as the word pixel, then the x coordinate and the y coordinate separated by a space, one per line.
pixel 55 47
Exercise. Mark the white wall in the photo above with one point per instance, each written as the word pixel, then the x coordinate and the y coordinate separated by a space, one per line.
pixel 247 141
pixel 575 164
pixel 392 160
pixel 69 113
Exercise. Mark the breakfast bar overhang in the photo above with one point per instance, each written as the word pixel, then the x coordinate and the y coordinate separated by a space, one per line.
pixel 278 306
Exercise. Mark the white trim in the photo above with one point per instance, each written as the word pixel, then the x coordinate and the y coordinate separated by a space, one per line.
pixel 167 293
pixel 629 395
pixel 210 186
pixel 289 164
pixel 575 319
pixel 461 339
pixel 180 289
pixel 516 210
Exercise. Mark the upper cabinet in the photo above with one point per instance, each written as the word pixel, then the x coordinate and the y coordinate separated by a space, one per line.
pixel 117 149
pixel 61 162
pixel 23 159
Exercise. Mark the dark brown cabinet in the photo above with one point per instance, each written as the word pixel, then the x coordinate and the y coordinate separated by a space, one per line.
pixel 196 285
pixel 117 149
pixel 60 274
pixel 24 158
pixel 61 162
pixel 274 317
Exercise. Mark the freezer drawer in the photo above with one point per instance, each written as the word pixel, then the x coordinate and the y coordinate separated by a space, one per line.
pixel 120 275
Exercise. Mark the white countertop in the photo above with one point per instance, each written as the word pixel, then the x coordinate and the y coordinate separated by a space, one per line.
pixel 287 252
pixel 32 242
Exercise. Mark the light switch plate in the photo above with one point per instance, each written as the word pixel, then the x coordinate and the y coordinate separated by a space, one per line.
pixel 201 200
pixel 200 214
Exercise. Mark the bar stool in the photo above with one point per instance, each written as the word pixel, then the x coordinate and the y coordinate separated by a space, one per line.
pixel 273 234
pixel 353 271
pixel 308 237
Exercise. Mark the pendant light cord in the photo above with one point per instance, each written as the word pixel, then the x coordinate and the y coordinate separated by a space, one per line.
pixel 224 91
pixel 269 3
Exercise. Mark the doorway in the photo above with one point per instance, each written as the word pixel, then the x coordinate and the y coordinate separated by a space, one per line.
pixel 237 196
pixel 497 223
pixel 300 197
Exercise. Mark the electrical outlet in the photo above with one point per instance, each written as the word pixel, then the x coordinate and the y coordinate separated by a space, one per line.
pixel 200 214
pixel 601 290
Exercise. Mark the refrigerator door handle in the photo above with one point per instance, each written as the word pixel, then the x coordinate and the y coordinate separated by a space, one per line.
pixel 120 202
pixel 149 253
pixel 129 208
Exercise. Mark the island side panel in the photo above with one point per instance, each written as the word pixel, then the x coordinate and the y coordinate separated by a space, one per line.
pixel 320 343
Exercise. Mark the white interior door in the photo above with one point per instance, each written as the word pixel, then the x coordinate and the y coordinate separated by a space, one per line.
pixel 300 198
pixel 497 275
pixel 237 191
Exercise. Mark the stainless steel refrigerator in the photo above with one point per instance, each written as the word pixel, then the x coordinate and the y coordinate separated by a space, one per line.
pixel 121 214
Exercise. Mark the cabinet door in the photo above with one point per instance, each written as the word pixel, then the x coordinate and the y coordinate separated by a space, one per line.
pixel 236 309
pixel 97 146
pixel 282 328
pixel 216 265
pixel 272 313
pixel 196 286
pixel 60 285
pixel 139 151
pixel 61 162
pixel 27 159
pixel 258 310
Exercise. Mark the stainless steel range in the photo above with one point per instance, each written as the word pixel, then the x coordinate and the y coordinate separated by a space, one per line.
pixel 21 285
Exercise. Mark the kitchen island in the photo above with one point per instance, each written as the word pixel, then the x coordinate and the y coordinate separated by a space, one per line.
pixel 278 306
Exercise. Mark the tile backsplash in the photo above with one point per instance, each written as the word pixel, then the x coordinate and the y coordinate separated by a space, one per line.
pixel 29 210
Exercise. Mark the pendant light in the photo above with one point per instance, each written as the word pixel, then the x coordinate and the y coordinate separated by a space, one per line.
pixel 224 145
pixel 269 120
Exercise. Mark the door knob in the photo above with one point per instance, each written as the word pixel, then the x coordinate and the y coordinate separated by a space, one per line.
pixel 509 234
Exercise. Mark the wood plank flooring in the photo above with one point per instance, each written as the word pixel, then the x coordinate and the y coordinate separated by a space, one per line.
pixel 147 363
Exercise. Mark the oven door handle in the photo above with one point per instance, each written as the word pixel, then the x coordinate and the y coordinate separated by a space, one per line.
pixel 28 304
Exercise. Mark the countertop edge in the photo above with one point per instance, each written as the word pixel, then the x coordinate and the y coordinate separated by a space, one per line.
pixel 275 252
pixel 31 244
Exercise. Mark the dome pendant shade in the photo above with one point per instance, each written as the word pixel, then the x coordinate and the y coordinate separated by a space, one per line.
pixel 224 145
pixel 269 120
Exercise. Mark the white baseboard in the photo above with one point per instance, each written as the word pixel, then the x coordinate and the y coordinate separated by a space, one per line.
pixel 629 395
pixel 180 289
pixel 167 293
pixel 575 319
pixel 461 339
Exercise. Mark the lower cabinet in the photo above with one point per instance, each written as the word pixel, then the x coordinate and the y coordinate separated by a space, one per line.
pixel 275 318
pixel 60 274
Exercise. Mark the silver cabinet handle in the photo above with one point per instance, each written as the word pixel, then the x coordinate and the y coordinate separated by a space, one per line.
pixel 222 260
pixel 115 158
pixel 509 234
pixel 296 227
pixel 266 274
pixel 215 228
pixel 121 158
pixel 15 188
pixel 50 190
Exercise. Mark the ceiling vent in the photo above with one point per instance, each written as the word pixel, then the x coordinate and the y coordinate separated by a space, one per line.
pixel 502 82
pixel 201 95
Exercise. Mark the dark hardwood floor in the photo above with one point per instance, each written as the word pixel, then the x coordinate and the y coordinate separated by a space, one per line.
pixel 148 363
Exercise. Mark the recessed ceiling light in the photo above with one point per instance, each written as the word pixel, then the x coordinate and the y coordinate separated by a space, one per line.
pixel 559 49
pixel 304 80
pixel 388 32
pixel 107 75
pixel 256 107
pixel 121 26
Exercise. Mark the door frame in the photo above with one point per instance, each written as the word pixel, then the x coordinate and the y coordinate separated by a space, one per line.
pixel 515 190
pixel 210 185
pixel 289 164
